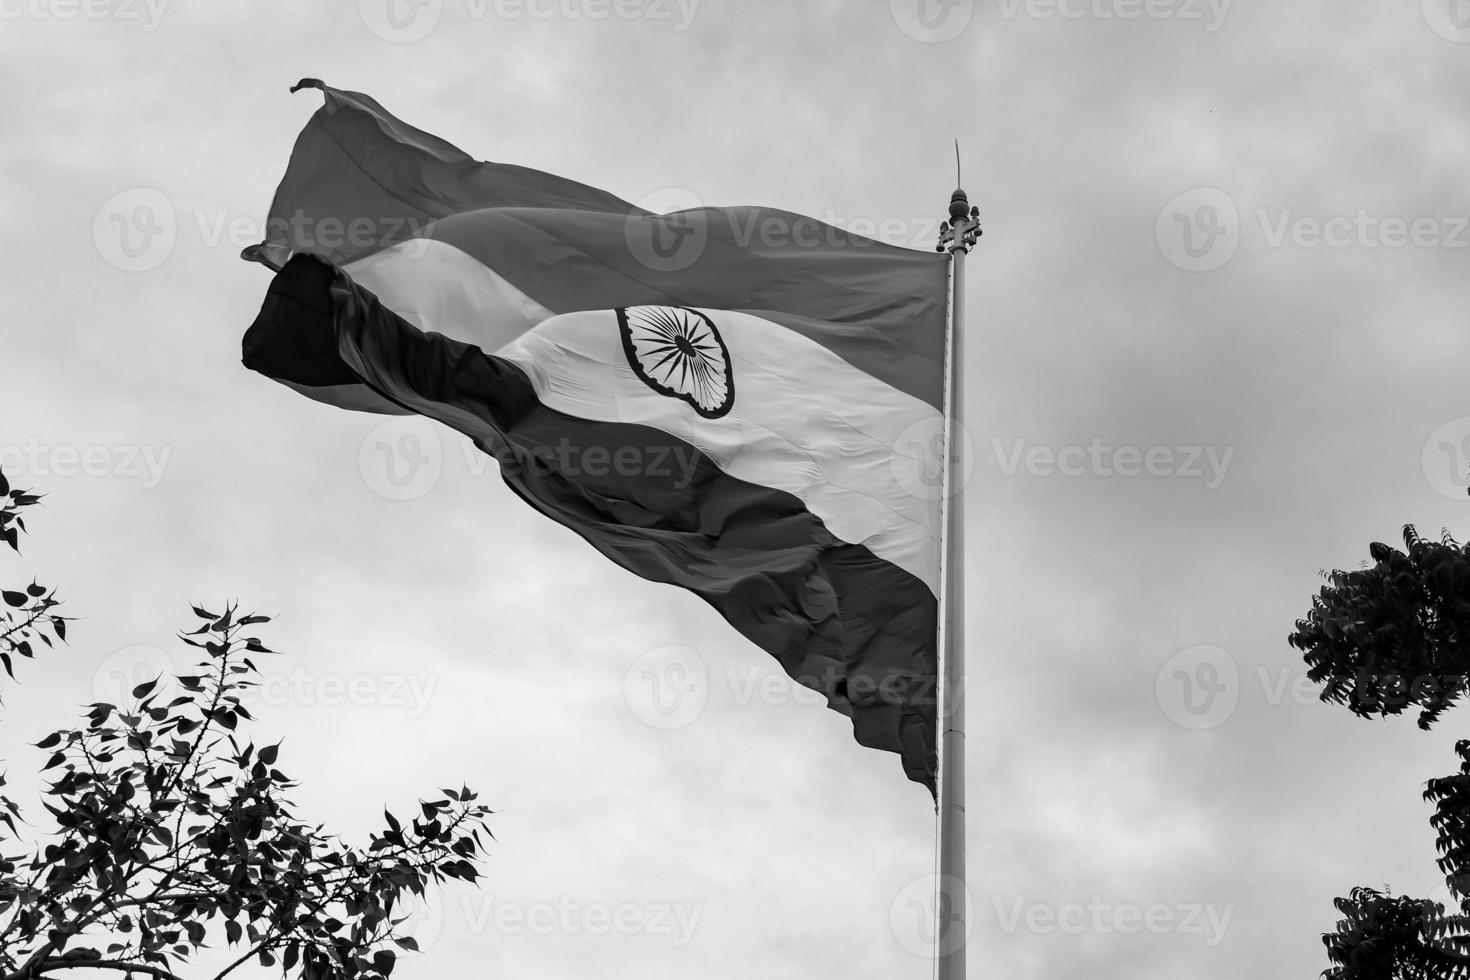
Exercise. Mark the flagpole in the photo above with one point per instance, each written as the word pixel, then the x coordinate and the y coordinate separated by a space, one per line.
pixel 957 236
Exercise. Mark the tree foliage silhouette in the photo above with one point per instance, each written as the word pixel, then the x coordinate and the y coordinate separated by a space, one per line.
pixel 1383 937
pixel 170 828
pixel 1381 640
pixel 25 615
pixel 1397 634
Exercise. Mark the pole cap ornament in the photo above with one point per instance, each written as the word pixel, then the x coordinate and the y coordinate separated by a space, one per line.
pixel 959 203
pixel 962 229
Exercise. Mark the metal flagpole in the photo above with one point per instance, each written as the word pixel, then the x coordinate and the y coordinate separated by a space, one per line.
pixel 957 236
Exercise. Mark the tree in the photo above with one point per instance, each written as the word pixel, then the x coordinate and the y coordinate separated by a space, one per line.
pixel 167 829
pixel 24 616
pixel 1381 640
pixel 1383 937
pixel 27 615
pixel 1394 635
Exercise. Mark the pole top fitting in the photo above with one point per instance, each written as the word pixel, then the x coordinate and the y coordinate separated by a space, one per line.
pixel 959 204
pixel 962 229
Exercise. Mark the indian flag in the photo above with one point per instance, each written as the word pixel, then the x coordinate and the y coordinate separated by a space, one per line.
pixel 762 393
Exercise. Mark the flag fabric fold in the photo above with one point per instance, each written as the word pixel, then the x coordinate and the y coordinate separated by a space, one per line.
pixel 770 387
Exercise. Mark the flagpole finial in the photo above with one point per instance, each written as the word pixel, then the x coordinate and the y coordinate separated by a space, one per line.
pixel 962 229
pixel 959 204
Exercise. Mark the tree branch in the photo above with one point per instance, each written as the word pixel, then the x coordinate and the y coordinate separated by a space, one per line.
pixel 64 964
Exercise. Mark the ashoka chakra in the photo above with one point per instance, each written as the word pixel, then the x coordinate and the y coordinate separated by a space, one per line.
pixel 679 353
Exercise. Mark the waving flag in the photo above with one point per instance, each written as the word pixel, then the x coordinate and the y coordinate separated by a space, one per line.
pixel 762 391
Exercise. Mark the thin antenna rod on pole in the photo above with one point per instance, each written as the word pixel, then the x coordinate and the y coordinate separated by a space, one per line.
pixel 957 236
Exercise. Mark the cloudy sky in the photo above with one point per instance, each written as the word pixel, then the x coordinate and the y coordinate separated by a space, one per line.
pixel 1217 338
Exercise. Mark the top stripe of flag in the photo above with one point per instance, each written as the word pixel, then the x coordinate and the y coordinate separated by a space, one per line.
pixel 801 374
